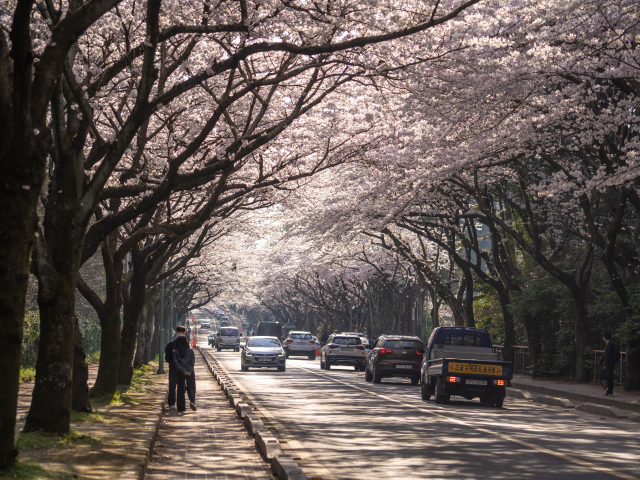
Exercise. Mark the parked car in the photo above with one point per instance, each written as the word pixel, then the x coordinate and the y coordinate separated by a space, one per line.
pixel 394 356
pixel 212 338
pixel 460 361
pixel 205 324
pixel 300 344
pixel 262 352
pixel 228 337
pixel 343 350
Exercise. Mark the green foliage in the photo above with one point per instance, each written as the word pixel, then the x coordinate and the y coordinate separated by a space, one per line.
pixel 32 471
pixel 43 440
pixel 27 374
pixel 31 338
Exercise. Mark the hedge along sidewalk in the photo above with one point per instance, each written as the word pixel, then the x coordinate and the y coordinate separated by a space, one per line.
pixel 579 392
pixel 113 442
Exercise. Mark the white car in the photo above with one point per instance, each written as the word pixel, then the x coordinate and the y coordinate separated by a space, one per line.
pixel 363 338
pixel 228 337
pixel 343 350
pixel 205 324
pixel 300 344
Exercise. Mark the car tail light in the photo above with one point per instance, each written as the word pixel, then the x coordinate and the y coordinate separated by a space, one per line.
pixel 500 383
pixel 312 341
pixel 331 345
pixel 384 351
pixel 360 347
pixel 289 340
pixel 453 379
pixel 419 353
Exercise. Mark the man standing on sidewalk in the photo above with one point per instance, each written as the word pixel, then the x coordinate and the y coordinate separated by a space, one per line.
pixel 168 356
pixel 608 361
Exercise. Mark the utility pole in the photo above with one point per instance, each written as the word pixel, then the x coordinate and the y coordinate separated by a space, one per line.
pixel 173 327
pixel 161 343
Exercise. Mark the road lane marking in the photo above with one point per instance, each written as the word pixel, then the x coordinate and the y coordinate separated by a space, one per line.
pixel 509 438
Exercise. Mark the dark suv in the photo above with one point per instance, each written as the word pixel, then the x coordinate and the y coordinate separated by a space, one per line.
pixel 394 356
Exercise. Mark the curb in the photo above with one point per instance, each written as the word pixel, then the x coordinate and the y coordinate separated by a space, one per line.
pixel 284 467
pixel 609 402
pixel 602 410
pixel 145 442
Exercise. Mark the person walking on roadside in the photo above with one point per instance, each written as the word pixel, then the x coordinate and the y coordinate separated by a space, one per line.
pixel 608 361
pixel 168 357
pixel 324 338
pixel 185 361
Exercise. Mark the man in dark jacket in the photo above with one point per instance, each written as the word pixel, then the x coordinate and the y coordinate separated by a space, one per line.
pixel 608 361
pixel 324 338
pixel 168 357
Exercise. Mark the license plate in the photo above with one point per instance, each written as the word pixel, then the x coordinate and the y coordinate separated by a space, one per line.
pixel 475 368
pixel 475 382
pixel 265 359
pixel 404 366
pixel 346 350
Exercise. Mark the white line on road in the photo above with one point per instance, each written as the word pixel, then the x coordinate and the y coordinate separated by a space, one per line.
pixel 509 438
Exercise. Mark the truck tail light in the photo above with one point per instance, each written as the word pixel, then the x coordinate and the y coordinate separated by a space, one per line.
pixel 384 351
pixel 500 383
pixel 453 379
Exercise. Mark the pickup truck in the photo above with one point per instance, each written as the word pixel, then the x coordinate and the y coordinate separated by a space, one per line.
pixel 460 361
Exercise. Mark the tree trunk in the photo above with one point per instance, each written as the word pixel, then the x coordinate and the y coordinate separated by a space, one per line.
pixel 50 409
pixel 509 328
pixel 132 309
pixel 138 359
pixel 80 401
pixel 107 380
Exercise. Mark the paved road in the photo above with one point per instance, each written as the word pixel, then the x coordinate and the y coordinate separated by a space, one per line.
pixel 345 428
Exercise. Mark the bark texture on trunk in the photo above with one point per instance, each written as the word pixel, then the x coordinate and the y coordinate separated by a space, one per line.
pixel 80 401
pixel 138 360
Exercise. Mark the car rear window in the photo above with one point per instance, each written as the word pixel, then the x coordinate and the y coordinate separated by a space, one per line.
pixel 300 336
pixel 466 340
pixel 410 344
pixel 263 342
pixel 229 332
pixel 347 341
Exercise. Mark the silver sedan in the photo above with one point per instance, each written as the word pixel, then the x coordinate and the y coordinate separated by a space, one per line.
pixel 261 352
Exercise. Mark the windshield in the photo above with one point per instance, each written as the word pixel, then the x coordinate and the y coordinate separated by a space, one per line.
pixel 300 336
pixel 347 341
pixel 409 344
pixel 229 332
pixel 263 342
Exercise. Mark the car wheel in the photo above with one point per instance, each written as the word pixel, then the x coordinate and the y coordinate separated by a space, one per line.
pixel 237 349
pixel 281 369
pixel 498 402
pixel 219 349
pixel 415 380
pixel 327 364
pixel 287 354
pixel 363 367
pixel 376 376
pixel 367 375
pixel 244 369
pixel 312 356
pixel 425 392
pixel 321 363
pixel 439 396
pixel 356 368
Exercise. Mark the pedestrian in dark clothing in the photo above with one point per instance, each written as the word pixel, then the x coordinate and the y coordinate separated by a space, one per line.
pixel 168 357
pixel 324 338
pixel 185 361
pixel 608 362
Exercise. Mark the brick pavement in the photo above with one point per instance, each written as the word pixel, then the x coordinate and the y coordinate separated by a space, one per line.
pixel 210 443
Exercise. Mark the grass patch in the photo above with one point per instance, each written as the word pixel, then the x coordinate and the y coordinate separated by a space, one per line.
pixel 94 417
pixel 27 374
pixel 93 357
pixel 33 471
pixel 139 381
pixel 44 441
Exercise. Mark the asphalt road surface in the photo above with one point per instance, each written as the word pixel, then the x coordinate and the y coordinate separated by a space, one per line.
pixel 342 427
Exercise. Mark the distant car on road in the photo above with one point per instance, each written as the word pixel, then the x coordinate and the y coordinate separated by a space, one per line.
pixel 212 338
pixel 363 337
pixel 343 350
pixel 228 337
pixel 262 352
pixel 205 324
pixel 300 344
pixel 395 356
pixel 269 329
pixel 225 322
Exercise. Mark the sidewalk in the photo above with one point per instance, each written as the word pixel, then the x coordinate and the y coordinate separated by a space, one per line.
pixel 582 392
pixel 209 443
